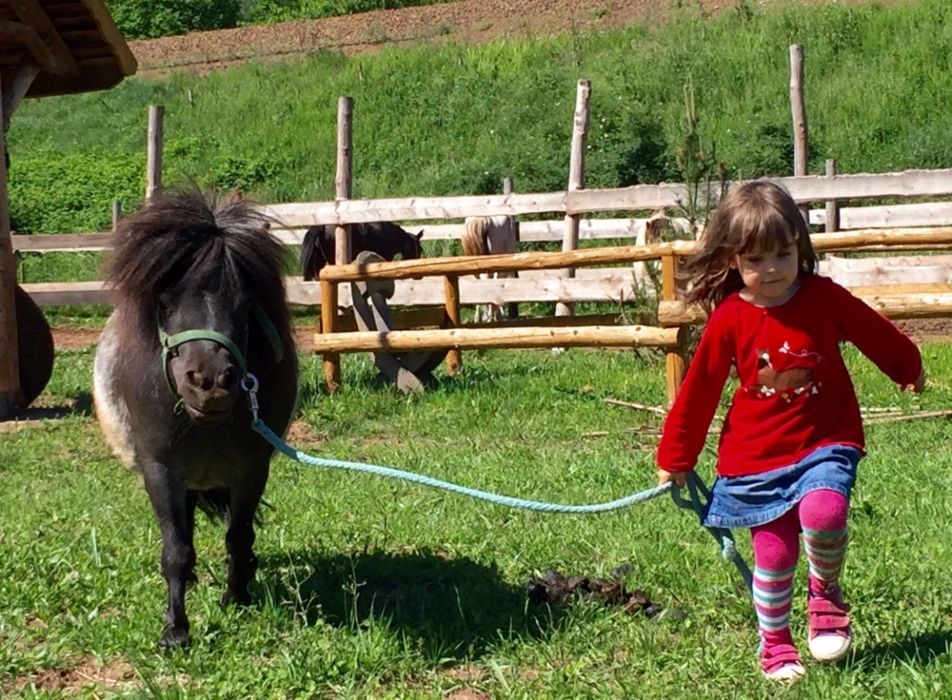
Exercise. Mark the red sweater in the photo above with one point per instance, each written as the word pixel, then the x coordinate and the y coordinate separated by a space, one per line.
pixel 795 393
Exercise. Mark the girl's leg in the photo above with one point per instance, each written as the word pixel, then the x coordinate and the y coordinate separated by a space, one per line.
pixel 776 548
pixel 823 519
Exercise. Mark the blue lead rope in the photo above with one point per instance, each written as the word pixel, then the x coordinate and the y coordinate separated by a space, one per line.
pixel 496 498
pixel 699 494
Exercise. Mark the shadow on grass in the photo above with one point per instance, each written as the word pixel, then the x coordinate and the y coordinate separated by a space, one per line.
pixel 454 607
pixel 922 649
pixel 82 405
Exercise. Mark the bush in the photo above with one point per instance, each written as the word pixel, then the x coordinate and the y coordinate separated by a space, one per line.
pixel 271 11
pixel 73 192
pixel 148 19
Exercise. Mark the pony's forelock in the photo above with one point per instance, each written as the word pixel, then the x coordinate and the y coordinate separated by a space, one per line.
pixel 182 239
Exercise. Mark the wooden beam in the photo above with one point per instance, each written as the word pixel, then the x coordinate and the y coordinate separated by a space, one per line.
pixel 890 304
pixel 17 32
pixel 68 293
pixel 32 13
pixel 862 238
pixel 613 286
pixel 111 34
pixel 807 188
pixel 483 338
pixel 14 94
pixel 62 242
pixel 889 216
pixel 475 264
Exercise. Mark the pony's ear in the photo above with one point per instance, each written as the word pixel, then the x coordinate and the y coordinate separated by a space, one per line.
pixel 419 235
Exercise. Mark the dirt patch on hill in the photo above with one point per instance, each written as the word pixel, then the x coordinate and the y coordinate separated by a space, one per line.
pixel 467 21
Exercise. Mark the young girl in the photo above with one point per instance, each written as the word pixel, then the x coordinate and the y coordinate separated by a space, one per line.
pixel 793 435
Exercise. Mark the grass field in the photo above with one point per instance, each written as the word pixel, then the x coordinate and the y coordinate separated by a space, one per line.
pixel 372 588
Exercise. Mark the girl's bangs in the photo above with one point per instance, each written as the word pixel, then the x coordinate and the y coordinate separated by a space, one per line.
pixel 759 234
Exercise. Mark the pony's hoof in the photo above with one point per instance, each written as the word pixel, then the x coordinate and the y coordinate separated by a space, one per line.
pixel 234 598
pixel 174 639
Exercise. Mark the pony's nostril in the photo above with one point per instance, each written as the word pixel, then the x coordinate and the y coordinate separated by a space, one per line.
pixel 198 380
pixel 227 378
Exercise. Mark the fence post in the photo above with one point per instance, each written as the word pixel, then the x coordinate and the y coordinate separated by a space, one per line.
pixel 576 177
pixel 9 362
pixel 153 166
pixel 454 357
pixel 832 206
pixel 512 309
pixel 344 181
pixel 328 325
pixel 673 360
pixel 343 186
pixel 801 140
pixel 116 213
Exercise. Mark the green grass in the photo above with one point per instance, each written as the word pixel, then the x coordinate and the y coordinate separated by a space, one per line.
pixel 376 588
pixel 456 119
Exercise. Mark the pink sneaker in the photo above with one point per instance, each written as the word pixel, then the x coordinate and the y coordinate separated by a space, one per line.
pixel 781 662
pixel 830 632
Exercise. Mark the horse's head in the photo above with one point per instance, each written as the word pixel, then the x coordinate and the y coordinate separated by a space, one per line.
pixel 410 248
pixel 211 279
pixel 204 336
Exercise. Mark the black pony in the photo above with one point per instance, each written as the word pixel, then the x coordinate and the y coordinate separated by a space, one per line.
pixel 200 306
pixel 384 238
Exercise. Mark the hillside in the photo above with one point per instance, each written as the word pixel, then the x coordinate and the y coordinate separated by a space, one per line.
pixel 452 117
pixel 467 21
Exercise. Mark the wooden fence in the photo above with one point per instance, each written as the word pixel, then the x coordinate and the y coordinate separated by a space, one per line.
pixel 897 302
pixel 591 286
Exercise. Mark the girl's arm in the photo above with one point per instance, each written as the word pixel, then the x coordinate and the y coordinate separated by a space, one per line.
pixel 876 337
pixel 685 428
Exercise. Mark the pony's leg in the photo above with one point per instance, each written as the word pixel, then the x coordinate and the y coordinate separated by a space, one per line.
pixel 239 541
pixel 174 509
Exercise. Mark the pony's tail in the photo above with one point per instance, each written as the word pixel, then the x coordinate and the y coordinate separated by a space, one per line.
pixel 312 256
pixel 474 235
pixel 215 502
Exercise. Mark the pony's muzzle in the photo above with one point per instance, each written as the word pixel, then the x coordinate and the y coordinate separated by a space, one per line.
pixel 209 393
pixel 208 382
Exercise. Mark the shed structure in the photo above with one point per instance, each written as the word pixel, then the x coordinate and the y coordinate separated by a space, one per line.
pixel 47 47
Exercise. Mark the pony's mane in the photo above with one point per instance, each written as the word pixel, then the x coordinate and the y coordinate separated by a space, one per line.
pixel 182 237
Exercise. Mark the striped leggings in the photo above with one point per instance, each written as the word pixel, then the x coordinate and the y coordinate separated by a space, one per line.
pixel 821 515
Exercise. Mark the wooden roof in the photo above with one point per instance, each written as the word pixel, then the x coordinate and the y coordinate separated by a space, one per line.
pixel 69 45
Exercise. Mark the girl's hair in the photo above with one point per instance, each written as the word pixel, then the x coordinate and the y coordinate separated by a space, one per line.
pixel 755 216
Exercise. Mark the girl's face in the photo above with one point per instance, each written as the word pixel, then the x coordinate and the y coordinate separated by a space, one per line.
pixel 769 276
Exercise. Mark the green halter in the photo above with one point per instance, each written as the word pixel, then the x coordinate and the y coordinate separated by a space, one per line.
pixel 170 342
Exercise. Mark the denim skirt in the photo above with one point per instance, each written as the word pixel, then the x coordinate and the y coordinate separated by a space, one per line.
pixel 755 499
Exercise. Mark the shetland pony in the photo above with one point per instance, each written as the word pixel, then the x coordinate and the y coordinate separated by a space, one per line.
pixel 489 235
pixel 200 306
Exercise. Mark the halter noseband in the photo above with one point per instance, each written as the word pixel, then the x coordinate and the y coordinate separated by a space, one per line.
pixel 170 342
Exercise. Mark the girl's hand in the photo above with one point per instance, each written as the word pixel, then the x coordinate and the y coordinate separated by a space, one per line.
pixel 680 478
pixel 918 386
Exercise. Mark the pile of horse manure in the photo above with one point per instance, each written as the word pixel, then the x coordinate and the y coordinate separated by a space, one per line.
pixel 553 587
